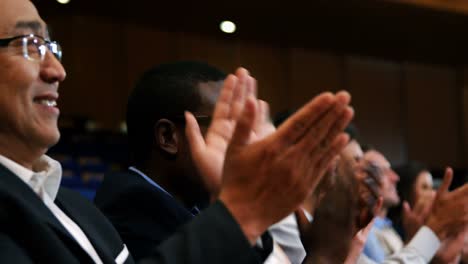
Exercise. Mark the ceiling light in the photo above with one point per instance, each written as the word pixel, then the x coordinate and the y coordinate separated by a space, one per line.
pixel 227 27
pixel 63 1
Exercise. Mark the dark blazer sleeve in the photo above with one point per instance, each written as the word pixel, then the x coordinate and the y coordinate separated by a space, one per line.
pixel 212 237
pixel 12 253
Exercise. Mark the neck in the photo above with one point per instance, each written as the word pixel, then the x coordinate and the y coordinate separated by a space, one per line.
pixel 383 213
pixel 20 153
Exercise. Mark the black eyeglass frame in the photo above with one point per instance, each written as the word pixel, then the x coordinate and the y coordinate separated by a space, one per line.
pixel 53 46
pixel 203 120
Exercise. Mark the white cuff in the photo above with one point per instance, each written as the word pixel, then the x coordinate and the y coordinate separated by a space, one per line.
pixel 425 242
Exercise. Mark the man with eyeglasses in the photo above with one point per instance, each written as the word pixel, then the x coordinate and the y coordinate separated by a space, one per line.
pixel 445 220
pixel 262 182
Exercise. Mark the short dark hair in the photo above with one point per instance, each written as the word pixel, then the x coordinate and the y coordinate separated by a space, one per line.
pixel 283 116
pixel 164 91
pixel 352 132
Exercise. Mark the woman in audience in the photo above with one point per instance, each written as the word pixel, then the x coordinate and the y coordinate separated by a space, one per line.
pixel 416 191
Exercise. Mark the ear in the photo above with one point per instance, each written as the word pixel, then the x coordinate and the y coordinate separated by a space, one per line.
pixel 165 136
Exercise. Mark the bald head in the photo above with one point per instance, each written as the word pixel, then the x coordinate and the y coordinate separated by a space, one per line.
pixel 20 17
pixel 389 179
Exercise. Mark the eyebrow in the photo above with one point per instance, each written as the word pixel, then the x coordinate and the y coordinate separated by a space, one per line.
pixel 35 26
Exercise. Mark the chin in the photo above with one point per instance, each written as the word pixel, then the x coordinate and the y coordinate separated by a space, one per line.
pixel 51 138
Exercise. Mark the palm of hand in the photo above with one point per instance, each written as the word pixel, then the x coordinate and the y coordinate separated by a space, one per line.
pixel 209 153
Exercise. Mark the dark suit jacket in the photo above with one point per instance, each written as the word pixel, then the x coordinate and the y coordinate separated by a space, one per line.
pixel 30 233
pixel 143 215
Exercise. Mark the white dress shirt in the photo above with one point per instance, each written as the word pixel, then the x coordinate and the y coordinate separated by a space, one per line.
pixel 421 249
pixel 45 182
pixel 286 234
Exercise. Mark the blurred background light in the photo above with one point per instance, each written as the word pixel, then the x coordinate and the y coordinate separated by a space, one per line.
pixel 227 27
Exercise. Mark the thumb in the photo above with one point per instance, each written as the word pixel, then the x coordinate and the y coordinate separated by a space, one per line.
pixel 444 187
pixel 193 134
pixel 365 231
pixel 245 123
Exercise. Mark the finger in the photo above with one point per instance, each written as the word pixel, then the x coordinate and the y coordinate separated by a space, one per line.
pixel 324 134
pixel 239 94
pixel 317 151
pixel 343 97
pixel 316 170
pixel 260 115
pixel 368 228
pixel 224 104
pixel 251 87
pixel 461 192
pixel 444 187
pixel 255 86
pixel 265 110
pixel 334 122
pixel 244 124
pixel 296 126
pixel 193 134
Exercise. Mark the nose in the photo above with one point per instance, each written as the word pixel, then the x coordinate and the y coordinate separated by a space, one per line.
pixel 52 69
pixel 394 176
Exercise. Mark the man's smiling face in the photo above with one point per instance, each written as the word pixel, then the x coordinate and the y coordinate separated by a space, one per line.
pixel 28 89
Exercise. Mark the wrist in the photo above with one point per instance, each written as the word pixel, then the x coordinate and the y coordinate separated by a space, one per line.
pixel 250 225
pixel 437 228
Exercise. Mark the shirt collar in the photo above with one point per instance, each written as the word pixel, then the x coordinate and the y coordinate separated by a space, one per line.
pixel 382 222
pixel 45 176
pixel 149 180
pixel 194 211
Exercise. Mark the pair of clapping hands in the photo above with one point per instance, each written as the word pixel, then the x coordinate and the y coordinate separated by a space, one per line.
pixel 344 218
pixel 262 174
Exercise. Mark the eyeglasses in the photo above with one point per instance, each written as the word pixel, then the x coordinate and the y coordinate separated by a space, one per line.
pixel 34 47
pixel 203 120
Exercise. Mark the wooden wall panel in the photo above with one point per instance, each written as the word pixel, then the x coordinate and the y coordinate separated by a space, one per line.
pixel 407 111
pixel 222 53
pixel 93 57
pixel 312 73
pixel 145 48
pixel 433 115
pixel 270 67
pixel 377 100
pixel 464 92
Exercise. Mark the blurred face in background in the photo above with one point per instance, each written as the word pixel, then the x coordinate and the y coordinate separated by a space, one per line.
pixel 423 186
pixel 352 153
pixel 389 180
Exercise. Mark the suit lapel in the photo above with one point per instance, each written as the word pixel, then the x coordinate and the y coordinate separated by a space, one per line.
pixel 14 186
pixel 28 201
pixel 88 226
